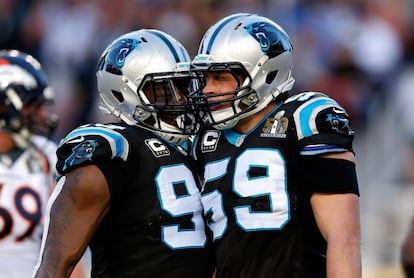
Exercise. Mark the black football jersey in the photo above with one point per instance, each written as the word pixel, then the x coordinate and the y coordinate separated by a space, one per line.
pixel 252 195
pixel 155 225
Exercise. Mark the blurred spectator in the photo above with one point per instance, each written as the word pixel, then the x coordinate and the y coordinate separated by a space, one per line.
pixel 176 18
pixel 11 13
pixel 346 83
pixel 68 54
pixel 403 101
pixel 359 52
pixel 66 35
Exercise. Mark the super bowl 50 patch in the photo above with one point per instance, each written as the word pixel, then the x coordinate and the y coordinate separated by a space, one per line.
pixel 275 127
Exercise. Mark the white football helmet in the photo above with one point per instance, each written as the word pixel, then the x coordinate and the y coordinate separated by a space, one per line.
pixel 24 91
pixel 250 46
pixel 144 78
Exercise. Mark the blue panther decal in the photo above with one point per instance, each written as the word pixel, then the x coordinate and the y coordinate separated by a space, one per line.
pixel 80 153
pixel 339 124
pixel 272 40
pixel 116 54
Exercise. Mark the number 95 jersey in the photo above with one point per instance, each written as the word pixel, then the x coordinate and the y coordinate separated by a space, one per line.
pixel 155 225
pixel 253 183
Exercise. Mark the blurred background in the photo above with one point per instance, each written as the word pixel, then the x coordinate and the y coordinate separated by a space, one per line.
pixel 359 52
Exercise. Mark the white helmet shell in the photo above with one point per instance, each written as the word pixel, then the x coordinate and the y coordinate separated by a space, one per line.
pixel 262 48
pixel 131 72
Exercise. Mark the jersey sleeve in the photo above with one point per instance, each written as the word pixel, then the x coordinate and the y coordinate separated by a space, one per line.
pixel 91 144
pixel 322 125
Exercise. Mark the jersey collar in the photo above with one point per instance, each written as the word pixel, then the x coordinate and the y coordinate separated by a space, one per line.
pixel 236 139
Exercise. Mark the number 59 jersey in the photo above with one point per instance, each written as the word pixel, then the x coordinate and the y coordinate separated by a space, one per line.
pixel 251 195
pixel 155 225
pixel 26 178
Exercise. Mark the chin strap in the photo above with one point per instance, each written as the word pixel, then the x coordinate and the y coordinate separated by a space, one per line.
pixel 220 115
pixel 175 139
pixel 172 135
pixel 284 87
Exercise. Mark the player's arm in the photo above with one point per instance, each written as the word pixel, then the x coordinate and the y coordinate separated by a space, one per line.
pixel 79 271
pixel 76 208
pixel 407 255
pixel 337 216
pixel 328 164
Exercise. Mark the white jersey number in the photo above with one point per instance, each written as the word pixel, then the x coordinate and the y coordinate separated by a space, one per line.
pixel 258 173
pixel 179 195
pixel 32 215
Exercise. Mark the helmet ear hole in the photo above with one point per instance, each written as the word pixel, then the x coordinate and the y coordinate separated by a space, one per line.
pixel 118 95
pixel 270 77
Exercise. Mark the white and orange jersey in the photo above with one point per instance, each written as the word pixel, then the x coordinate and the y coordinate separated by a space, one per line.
pixel 26 178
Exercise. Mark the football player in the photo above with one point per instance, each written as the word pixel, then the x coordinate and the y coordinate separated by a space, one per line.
pixel 126 189
pixel 281 194
pixel 27 160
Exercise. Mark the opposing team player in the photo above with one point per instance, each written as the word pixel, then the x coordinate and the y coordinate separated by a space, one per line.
pixel 27 160
pixel 280 192
pixel 126 189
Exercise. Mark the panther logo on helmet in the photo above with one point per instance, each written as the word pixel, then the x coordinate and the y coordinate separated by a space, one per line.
pixel 115 58
pixel 272 41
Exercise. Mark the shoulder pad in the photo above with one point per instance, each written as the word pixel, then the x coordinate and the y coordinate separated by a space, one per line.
pixel 47 147
pixel 90 144
pixel 320 121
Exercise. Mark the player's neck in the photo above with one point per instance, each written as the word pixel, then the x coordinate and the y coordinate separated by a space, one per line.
pixel 246 124
pixel 7 143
